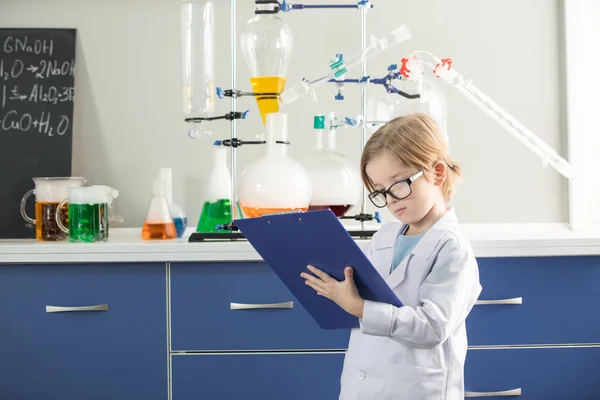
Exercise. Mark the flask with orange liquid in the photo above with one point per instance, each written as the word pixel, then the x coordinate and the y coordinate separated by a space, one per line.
pixel 159 223
pixel 275 183
pixel 267 44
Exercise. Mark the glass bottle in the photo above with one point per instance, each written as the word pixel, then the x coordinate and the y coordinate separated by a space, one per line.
pixel 159 223
pixel 267 44
pixel 177 213
pixel 335 180
pixel 275 183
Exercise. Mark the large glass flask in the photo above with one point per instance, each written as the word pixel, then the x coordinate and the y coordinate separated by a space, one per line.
pixel 383 106
pixel 49 193
pixel 197 42
pixel 266 44
pixel 216 209
pixel 275 183
pixel 335 180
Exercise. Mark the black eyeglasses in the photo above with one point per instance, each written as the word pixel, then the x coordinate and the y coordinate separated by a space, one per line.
pixel 399 191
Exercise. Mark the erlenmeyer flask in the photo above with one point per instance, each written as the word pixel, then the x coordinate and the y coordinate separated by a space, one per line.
pixel 159 223
pixel 335 180
pixel 216 209
pixel 177 213
pixel 267 44
pixel 275 183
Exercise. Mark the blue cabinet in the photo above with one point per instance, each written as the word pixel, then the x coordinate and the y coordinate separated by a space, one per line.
pixel 258 376
pixel 551 373
pixel 115 348
pixel 209 311
pixel 560 300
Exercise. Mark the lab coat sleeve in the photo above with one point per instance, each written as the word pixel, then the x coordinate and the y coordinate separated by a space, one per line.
pixel 447 295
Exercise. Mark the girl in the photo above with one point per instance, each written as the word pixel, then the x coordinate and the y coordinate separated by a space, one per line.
pixel 414 352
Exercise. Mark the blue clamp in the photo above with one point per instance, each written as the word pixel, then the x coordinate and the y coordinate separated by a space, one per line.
pixel 350 121
pixel 245 114
pixel 220 93
pixel 392 67
pixel 377 216
pixel 365 79
pixel 218 143
pixel 365 3
pixel 339 96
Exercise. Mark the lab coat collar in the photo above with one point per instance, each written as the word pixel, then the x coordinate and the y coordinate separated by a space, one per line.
pixel 426 246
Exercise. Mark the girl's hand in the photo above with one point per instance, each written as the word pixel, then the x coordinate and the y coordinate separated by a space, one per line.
pixel 343 293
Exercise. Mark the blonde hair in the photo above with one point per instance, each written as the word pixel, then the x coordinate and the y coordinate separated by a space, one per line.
pixel 416 141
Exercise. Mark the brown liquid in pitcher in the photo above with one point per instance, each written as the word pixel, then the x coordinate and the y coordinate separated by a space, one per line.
pixel 46 227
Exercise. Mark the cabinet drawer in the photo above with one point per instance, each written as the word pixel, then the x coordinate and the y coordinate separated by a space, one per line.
pixel 118 351
pixel 202 319
pixel 560 300
pixel 257 376
pixel 559 373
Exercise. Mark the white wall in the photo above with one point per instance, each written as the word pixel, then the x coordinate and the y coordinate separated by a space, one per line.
pixel 128 119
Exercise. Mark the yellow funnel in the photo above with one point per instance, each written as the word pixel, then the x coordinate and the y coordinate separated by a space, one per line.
pixel 267 84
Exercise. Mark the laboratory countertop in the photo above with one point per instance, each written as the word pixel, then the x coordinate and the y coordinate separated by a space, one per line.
pixel 126 245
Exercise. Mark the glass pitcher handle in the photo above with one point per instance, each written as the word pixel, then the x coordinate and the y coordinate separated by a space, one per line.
pixel 23 203
pixel 57 216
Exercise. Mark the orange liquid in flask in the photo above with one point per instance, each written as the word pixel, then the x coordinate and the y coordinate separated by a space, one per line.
pixel 252 212
pixel 158 231
pixel 267 84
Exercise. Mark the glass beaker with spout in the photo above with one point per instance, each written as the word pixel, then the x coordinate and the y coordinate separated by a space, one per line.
pixel 49 193
pixel 88 213
pixel 276 183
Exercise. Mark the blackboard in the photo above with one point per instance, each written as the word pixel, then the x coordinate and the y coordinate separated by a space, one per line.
pixel 37 95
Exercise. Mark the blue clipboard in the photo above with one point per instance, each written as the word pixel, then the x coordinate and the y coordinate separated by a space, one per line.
pixel 290 242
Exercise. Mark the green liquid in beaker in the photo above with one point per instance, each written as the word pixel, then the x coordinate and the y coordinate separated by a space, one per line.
pixel 88 222
pixel 215 213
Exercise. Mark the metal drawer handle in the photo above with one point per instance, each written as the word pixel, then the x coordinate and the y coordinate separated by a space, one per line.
pixel 240 306
pixel 515 300
pixel 513 392
pixel 99 307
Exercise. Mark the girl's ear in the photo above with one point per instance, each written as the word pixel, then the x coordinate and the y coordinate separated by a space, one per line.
pixel 440 170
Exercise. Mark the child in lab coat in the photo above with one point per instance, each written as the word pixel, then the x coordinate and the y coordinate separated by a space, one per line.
pixel 414 352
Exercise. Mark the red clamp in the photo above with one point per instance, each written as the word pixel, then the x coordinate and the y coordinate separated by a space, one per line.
pixel 446 62
pixel 404 71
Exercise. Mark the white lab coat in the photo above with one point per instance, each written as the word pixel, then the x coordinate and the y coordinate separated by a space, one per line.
pixel 415 352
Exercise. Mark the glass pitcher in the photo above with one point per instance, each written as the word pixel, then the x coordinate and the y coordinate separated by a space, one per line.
pixel 49 192
pixel 88 212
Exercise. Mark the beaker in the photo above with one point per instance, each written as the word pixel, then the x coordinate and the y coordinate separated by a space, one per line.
pixel 159 223
pixel 49 193
pixel 335 180
pixel 275 183
pixel 267 44
pixel 88 213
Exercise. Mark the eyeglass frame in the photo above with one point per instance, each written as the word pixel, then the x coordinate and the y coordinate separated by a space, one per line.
pixel 410 180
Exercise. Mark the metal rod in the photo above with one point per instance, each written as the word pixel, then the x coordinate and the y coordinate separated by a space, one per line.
pixel 363 106
pixel 233 109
